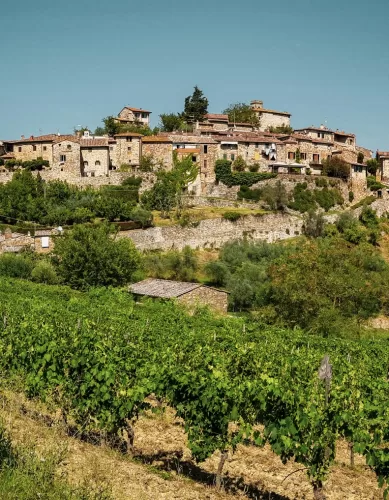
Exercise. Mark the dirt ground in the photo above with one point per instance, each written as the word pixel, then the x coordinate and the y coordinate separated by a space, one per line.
pixel 162 467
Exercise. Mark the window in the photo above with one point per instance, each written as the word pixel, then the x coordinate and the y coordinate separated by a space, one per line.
pixel 97 163
pixel 90 150
pixel 205 149
pixel 194 158
pixel 86 163
pixel 303 156
pixel 34 148
pixel 205 164
pixel 69 147
pixel 111 148
pixel 20 149
pixel 129 149
pixel 62 158
pixel 316 158
pixel 291 155
pixel 129 139
pixel 44 148
pixel 144 115
pixel 92 174
pixel 232 157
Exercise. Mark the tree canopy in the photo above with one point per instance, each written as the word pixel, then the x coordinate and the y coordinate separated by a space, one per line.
pixel 92 256
pixel 196 106
pixel 241 113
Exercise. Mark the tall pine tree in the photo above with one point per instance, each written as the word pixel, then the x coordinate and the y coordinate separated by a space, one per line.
pixel 196 106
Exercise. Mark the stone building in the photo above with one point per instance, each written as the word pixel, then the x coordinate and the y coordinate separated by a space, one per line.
pixel 383 159
pixel 125 149
pixel 134 116
pixel 190 294
pixel 269 117
pixel 25 149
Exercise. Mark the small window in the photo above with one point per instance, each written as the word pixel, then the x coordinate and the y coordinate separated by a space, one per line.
pixel 44 148
pixel 144 115
pixel 194 158
pixel 90 150
pixel 20 149
pixel 61 169
pixel 205 164
pixel 85 164
pixel 129 139
pixel 111 148
pixel 62 158
pixel 129 149
pixel 303 156
pixel 97 163
pixel 34 148
pixel 205 149
pixel 316 158
pixel 69 147
pixel 291 155
pixel 92 174
pixel 232 157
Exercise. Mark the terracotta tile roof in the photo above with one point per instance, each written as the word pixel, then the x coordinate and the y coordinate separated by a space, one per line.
pixel 240 124
pixel 155 138
pixel 90 143
pixel 322 141
pixel 40 138
pixel 136 110
pixel 62 138
pixel 273 111
pixel 128 134
pixel 217 117
pixel 338 132
pixel 383 154
pixel 191 139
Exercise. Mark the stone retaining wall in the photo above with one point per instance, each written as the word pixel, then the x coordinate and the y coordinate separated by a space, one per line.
pixel 213 233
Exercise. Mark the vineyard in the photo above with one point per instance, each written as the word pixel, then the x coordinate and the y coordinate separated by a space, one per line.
pixel 99 356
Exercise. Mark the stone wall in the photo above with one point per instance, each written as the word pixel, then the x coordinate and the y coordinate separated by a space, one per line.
pixel 32 150
pixel 213 233
pixel 160 151
pixel 126 150
pixel 269 119
pixel 72 164
pixel 206 296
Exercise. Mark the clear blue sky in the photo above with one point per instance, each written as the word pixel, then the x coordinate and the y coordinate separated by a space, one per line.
pixel 71 63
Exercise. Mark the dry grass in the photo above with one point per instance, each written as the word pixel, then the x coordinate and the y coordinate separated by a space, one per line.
pixel 202 213
pixel 163 469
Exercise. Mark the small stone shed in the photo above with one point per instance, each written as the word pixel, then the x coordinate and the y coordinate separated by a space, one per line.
pixel 191 294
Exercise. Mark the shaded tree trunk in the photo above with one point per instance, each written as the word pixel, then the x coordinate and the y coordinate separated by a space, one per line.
pixel 223 458
pixel 351 448
pixel 130 440
pixel 318 491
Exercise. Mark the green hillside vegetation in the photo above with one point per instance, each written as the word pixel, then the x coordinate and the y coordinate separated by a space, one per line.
pixel 29 198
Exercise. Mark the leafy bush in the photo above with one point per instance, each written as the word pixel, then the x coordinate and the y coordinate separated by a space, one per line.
pixel 314 224
pixel 350 196
pixel 276 196
pixel 254 167
pixel 328 198
pixel 239 165
pixel 142 217
pixel 369 217
pixel 373 184
pixel 174 265
pixel 223 174
pixel 15 266
pixel 232 216
pixel 91 256
pixel 321 182
pixel 246 193
pixel 303 199
pixel 44 272
pixel 336 167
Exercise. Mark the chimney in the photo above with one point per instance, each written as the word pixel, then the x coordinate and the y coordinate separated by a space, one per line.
pixel 22 136
pixel 32 137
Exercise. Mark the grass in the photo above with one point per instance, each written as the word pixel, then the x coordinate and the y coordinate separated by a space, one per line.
pixel 365 201
pixel 196 214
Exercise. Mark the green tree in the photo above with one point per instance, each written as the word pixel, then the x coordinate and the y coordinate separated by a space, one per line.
pixel 372 166
pixel 196 106
pixel 360 157
pixel 171 122
pixel 276 196
pixel 336 167
pixel 239 165
pixel 314 224
pixel 281 129
pixel 99 131
pixel 92 256
pixel 111 126
pixel 241 113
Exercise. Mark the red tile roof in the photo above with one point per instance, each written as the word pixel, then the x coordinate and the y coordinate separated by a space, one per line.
pixel 136 110
pixel 128 134
pixel 155 138
pixel 217 117
pixel 93 143
pixel 273 111
pixel 383 154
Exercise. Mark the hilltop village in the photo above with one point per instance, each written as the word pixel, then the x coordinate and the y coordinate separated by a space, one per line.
pixel 262 147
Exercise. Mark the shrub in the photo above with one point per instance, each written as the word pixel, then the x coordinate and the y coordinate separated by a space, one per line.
pixel 336 167
pixel 15 266
pixel 232 216
pixel 249 194
pixel 321 182
pixel 368 217
pixel 218 272
pixel 360 157
pixel 223 174
pixel 276 196
pixel 303 199
pixel 239 164
pixel 373 184
pixel 142 217
pixel 314 224
pixel 254 167
pixel 44 272
pixel 350 196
